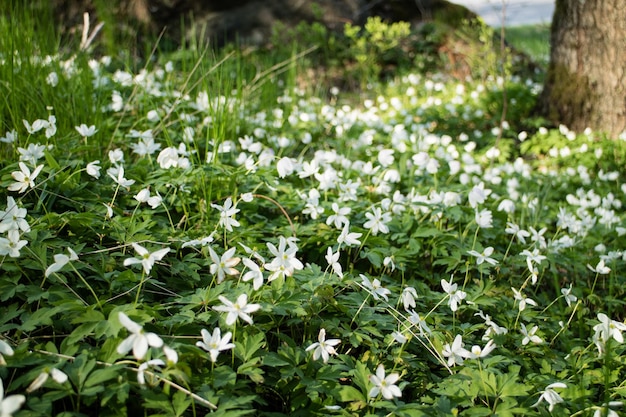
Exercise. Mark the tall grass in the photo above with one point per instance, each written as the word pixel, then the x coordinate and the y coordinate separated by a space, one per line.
pixel 533 40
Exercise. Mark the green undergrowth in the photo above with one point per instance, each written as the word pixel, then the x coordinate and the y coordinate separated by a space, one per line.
pixel 219 233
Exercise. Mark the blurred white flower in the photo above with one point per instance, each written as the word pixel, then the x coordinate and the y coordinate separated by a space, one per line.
pixel 5 349
pixel 285 167
pixel 93 169
pixel 86 131
pixel 350 239
pixel 567 294
pixel 32 153
pixel 10 404
pixel 519 296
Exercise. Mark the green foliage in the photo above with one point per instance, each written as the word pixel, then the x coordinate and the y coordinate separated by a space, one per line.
pixel 482 271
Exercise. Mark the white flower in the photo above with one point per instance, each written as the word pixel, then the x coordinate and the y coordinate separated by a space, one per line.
pixel 384 384
pixel 339 219
pixel 385 157
pixel 375 288
pixel 514 229
pixel 116 156
pixel 550 396
pixel 600 411
pixel 32 154
pixel 93 169
pixel 484 218
pixel 13 218
pixel 57 375
pixel 389 262
pixel 225 265
pixel 478 195
pixel 254 273
pixel 519 296
pixel 146 259
pixel 455 352
pixel 483 257
pixel 24 178
pixel 529 336
pixel 567 294
pixel 141 378
pixel 10 404
pixel 323 348
pixel 239 309
pixel 139 341
pixel 143 196
pixel 170 354
pixel 12 245
pixel 60 260
pixel 408 297
pixel 227 214
pixel 9 137
pixel 455 296
pixel 478 352
pixel 600 268
pixel 350 239
pixel 417 320
pixel 215 343
pixel 606 330
pixel 5 349
pixel 117 174
pixel 285 261
pixel 146 144
pixel 333 261
pixel 168 158
pixel 85 131
pixel 285 167
pixel 377 221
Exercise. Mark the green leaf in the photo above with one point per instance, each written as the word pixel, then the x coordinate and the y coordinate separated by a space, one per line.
pixel 348 393
pixel 249 346
pixel 100 376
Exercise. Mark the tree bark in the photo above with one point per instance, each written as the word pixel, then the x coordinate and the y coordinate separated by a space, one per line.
pixel 586 81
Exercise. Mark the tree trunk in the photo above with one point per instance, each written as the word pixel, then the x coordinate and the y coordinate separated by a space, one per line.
pixel 586 80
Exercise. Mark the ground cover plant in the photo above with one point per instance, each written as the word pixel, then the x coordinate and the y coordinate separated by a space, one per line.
pixel 199 235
